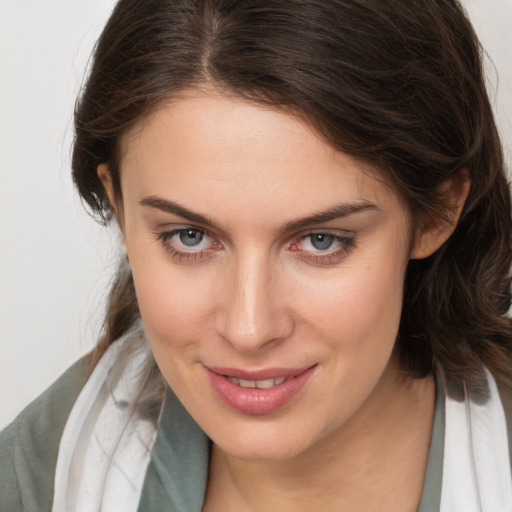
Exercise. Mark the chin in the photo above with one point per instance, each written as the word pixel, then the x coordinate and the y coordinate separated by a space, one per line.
pixel 261 454
pixel 265 445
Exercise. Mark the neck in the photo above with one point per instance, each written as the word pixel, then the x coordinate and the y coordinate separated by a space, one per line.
pixel 376 461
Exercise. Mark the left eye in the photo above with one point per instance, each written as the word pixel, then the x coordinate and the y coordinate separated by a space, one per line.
pixel 318 242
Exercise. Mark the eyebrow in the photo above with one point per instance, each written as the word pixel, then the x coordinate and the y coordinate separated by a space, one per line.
pixel 342 210
pixel 176 209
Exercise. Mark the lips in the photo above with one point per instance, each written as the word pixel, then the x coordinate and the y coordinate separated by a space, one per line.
pixel 260 392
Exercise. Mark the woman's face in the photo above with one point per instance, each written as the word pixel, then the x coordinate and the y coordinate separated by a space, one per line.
pixel 269 270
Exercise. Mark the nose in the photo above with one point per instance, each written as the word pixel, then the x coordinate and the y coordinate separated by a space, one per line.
pixel 252 314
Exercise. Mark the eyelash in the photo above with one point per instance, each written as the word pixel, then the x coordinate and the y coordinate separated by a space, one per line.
pixel 182 255
pixel 346 244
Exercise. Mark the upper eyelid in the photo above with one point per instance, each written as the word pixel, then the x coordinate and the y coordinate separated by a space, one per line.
pixel 327 231
pixel 169 233
pixel 339 238
pixel 176 228
pixel 337 233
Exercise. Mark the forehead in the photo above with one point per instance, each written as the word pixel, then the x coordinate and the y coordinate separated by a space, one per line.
pixel 210 149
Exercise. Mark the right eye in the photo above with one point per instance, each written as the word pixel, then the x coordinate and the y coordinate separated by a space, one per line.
pixel 187 243
pixel 188 238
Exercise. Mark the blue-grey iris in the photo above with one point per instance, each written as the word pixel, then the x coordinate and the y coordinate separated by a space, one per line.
pixel 321 241
pixel 191 237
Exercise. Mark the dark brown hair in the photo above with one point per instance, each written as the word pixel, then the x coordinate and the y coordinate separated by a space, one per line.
pixel 397 83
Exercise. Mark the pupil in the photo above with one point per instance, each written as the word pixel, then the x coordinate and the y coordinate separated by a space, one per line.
pixel 190 237
pixel 322 242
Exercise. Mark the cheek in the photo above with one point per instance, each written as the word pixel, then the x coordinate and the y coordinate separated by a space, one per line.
pixel 356 318
pixel 176 313
pixel 175 306
pixel 358 309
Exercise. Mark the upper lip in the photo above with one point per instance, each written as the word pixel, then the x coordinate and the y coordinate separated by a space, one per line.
pixel 263 374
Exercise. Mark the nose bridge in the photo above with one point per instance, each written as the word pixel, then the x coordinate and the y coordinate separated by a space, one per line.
pixel 252 317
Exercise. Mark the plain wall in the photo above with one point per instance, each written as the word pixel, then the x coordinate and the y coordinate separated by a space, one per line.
pixel 55 261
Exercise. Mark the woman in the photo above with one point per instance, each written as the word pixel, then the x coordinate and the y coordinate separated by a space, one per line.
pixel 317 229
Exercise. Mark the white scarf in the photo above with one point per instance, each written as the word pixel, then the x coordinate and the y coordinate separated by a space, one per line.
pixel 105 448
pixel 476 468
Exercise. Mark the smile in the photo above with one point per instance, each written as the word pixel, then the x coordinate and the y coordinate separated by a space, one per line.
pixel 260 384
pixel 257 393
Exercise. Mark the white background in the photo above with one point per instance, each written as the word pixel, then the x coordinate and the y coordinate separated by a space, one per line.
pixel 55 261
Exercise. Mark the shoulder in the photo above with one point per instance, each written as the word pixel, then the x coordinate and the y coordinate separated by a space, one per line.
pixel 29 446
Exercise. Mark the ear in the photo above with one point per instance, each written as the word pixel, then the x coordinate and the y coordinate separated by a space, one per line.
pixel 434 232
pixel 106 180
pixel 105 177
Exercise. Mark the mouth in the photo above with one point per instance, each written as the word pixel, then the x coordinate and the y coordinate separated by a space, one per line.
pixel 258 392
pixel 260 384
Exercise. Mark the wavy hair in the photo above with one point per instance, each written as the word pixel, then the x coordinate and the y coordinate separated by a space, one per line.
pixel 396 83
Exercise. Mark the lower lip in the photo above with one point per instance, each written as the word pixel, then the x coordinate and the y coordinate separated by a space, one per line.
pixel 257 401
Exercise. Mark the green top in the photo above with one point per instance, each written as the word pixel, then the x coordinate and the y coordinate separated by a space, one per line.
pixel 177 473
pixel 431 497
pixel 29 446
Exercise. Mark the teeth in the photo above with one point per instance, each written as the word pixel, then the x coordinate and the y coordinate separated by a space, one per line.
pixel 265 384
pixel 247 383
pixel 260 384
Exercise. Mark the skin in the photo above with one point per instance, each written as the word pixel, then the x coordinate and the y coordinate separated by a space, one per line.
pixel 257 293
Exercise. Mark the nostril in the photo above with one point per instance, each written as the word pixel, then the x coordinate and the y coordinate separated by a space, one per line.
pixel 251 314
